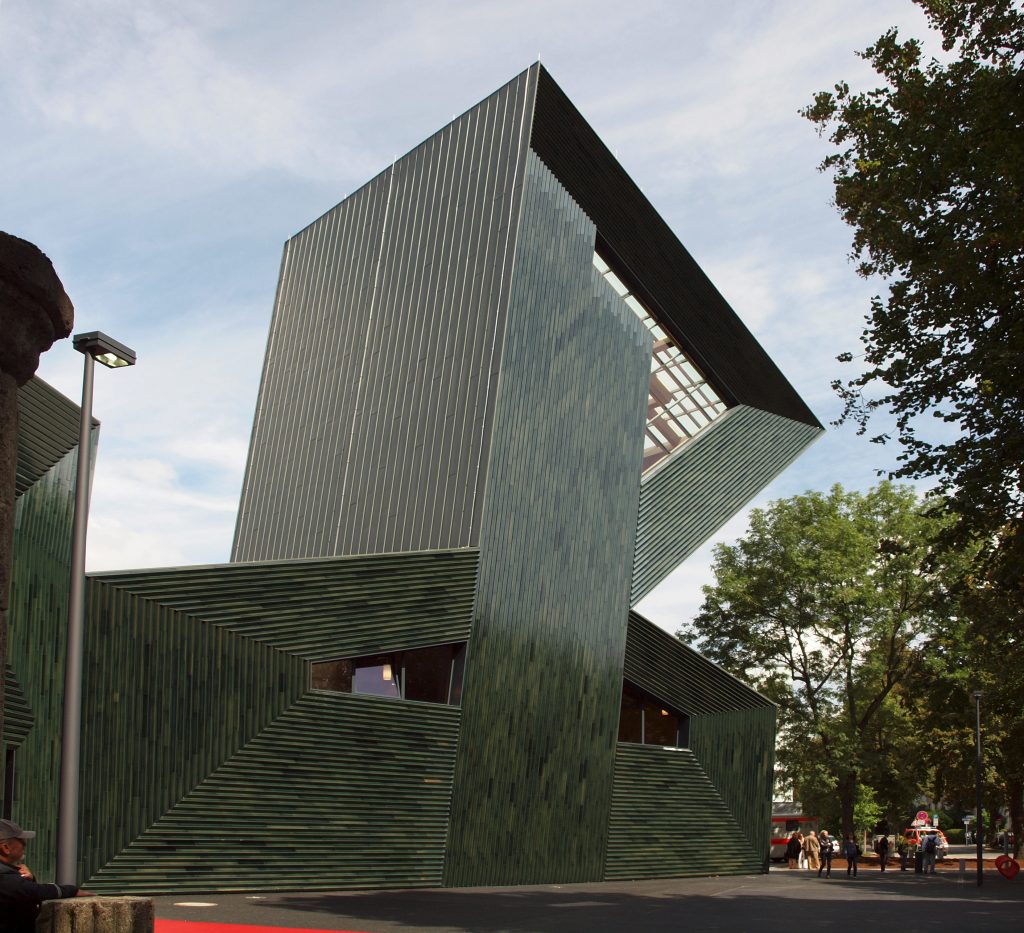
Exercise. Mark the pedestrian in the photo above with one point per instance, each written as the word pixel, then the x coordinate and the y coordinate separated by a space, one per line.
pixel 928 847
pixel 882 848
pixel 812 849
pixel 801 858
pixel 851 850
pixel 20 895
pixel 793 850
pixel 825 850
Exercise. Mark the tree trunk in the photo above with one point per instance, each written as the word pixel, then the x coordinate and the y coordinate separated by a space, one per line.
pixel 847 790
pixel 1015 796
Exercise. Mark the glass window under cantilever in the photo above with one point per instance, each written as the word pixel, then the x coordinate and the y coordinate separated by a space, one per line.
pixel 693 402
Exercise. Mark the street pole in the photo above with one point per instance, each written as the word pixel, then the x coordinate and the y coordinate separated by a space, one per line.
pixel 977 784
pixel 93 346
pixel 71 736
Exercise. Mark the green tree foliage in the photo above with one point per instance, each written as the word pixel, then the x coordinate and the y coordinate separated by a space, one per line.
pixel 826 606
pixel 929 172
pixel 976 648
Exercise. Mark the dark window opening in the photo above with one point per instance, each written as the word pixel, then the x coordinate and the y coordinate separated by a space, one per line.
pixel 646 720
pixel 427 675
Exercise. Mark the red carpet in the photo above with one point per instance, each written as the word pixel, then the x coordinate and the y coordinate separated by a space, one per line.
pixel 202 926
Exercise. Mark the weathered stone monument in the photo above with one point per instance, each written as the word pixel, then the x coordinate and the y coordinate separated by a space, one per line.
pixel 34 312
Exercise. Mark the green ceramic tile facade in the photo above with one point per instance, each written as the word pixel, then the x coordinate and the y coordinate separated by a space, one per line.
pixel 203 673
pixel 18 716
pixel 669 821
pixel 691 495
pixel 540 717
pixel 339 792
pixel 732 727
pixel 38 624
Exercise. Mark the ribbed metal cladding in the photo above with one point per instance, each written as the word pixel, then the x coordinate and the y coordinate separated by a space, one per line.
pixel 340 792
pixel 732 727
pixel 47 430
pixel 327 608
pixel 657 266
pixel 669 821
pixel 378 385
pixel 541 699
pixel 688 497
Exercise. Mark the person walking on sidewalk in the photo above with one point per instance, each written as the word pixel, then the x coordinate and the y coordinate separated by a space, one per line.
pixel 851 850
pixel 825 850
pixel 929 846
pixel 882 848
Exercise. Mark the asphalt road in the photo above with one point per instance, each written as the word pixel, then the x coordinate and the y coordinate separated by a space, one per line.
pixel 780 901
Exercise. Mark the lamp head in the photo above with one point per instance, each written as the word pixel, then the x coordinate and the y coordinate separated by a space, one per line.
pixel 104 349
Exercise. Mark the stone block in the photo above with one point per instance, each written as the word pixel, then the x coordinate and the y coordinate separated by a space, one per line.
pixel 96 915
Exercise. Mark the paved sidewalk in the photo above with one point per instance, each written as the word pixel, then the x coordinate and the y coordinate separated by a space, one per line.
pixel 779 901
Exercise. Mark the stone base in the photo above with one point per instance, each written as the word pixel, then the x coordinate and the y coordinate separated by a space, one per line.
pixel 96 915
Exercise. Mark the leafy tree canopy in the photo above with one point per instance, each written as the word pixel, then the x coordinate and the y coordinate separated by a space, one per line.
pixel 929 171
pixel 826 606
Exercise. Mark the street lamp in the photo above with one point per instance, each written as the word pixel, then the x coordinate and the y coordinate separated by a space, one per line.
pixel 95 346
pixel 977 695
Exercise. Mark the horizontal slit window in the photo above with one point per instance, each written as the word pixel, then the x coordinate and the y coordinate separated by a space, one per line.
pixel 427 675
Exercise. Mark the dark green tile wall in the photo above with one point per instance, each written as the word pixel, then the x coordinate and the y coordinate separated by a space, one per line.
pixel 18 716
pixel 166 698
pixel 533 777
pixel 732 727
pixel 324 608
pixel 48 425
pixel 197 701
pixel 340 792
pixel 38 620
pixel 691 495
pixel 737 752
pixel 669 821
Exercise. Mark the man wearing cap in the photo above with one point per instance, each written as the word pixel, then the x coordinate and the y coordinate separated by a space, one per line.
pixel 20 895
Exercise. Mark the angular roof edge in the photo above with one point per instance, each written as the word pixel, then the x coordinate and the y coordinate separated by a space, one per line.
pixel 659 268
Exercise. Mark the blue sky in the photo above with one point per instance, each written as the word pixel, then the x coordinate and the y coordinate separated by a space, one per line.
pixel 161 154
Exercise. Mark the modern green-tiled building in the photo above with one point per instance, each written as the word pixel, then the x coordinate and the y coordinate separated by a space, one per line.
pixel 500 403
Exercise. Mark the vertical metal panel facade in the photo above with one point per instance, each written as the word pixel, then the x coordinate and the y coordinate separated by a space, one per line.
pixel 541 701
pixel 691 495
pixel 374 411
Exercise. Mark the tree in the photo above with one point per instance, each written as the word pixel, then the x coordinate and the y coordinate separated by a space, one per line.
pixel 929 172
pixel 975 649
pixel 825 606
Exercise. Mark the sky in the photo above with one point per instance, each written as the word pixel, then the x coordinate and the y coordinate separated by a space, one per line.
pixel 161 153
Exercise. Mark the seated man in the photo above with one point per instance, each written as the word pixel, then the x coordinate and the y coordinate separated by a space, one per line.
pixel 20 895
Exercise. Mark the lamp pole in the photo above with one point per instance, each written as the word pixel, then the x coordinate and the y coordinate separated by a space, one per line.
pixel 94 346
pixel 977 695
